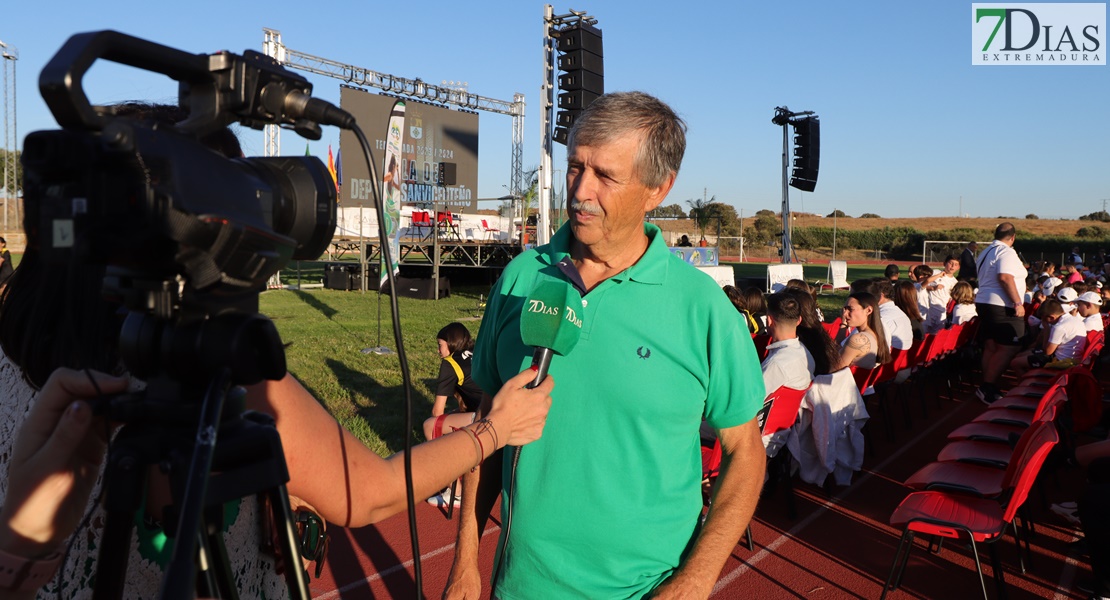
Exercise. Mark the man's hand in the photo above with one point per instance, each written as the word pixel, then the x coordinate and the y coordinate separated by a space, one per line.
pixel 464 583
pixel 54 464
pixel 1019 309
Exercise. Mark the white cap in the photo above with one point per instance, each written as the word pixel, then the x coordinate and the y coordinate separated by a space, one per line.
pixel 1090 297
pixel 1067 295
pixel 1050 284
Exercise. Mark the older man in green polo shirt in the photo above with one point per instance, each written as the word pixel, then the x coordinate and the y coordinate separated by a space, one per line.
pixel 606 503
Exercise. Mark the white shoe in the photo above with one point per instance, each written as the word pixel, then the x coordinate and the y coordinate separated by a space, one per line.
pixel 442 499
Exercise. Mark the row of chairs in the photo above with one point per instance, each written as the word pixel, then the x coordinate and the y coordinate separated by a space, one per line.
pixel 780 411
pixel 930 355
pixel 975 489
pixel 423 228
pixel 782 407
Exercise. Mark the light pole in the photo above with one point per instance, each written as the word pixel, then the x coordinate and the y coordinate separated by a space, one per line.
pixel 10 55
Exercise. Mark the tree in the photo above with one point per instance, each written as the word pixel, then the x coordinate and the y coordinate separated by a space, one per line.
pixel 672 211
pixel 18 183
pixel 766 228
pixel 760 213
pixel 724 217
pixel 1032 217
pixel 1091 231
pixel 1101 215
pixel 836 213
pixel 869 216
pixel 697 212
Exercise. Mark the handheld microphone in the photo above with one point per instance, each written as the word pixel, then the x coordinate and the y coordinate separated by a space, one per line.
pixel 552 322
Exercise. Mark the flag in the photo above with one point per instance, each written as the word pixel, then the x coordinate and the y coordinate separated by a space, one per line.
pixel 339 169
pixel 393 193
pixel 331 169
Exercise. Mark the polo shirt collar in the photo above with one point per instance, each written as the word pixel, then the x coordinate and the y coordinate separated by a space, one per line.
pixel 650 269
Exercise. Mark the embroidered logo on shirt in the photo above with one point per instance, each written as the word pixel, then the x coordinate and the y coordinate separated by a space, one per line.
pixel 644 353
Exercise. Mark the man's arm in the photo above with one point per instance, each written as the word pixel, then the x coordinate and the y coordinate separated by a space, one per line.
pixel 480 489
pixel 1009 287
pixel 734 499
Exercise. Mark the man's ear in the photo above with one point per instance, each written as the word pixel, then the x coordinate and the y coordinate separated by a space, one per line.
pixel 657 194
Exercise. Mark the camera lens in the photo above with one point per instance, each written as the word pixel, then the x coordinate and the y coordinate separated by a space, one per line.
pixel 303 201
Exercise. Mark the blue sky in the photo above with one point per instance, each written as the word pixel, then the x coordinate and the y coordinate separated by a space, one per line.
pixel 909 126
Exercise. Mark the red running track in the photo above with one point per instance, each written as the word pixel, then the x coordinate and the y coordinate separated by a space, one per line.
pixel 838 546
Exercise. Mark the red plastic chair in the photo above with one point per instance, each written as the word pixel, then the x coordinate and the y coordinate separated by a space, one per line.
pixel 446 220
pixel 977 520
pixel 779 412
pixel 1001 431
pixel 975 478
pixel 970 330
pixel 489 231
pixel 865 378
pixel 991 452
pixel 420 219
pixel 761 341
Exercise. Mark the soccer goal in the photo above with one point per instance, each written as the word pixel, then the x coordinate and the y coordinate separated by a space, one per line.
pixel 934 251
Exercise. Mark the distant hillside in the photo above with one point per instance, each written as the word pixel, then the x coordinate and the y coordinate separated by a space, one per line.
pixel 1064 227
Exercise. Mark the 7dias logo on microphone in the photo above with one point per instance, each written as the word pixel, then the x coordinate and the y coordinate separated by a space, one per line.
pixel 538 307
pixel 1038 34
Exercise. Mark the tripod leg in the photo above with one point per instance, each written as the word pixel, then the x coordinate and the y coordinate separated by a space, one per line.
pixel 295 576
pixel 125 476
pixel 213 566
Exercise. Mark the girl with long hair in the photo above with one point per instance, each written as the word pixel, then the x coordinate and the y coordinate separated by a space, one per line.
pixel 866 347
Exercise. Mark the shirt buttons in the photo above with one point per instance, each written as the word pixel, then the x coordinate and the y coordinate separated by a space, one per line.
pixel 584 303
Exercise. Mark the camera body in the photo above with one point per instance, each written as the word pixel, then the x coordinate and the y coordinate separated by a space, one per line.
pixel 156 204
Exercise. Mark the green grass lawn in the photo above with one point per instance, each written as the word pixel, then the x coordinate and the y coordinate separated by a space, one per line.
pixel 327 330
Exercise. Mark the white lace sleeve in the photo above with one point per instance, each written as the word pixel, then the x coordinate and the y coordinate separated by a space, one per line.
pixel 253 571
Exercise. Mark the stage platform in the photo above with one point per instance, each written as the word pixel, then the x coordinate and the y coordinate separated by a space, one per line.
pixel 452 253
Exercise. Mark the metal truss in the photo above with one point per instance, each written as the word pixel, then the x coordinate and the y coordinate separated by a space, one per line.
pixel 413 88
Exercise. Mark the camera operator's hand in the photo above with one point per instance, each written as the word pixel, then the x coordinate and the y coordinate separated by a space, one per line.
pixel 54 464
pixel 520 413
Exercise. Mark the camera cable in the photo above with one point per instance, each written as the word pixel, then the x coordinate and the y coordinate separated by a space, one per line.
pixel 387 265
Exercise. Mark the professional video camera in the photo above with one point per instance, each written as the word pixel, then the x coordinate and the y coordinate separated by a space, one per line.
pixel 188 238
pixel 151 200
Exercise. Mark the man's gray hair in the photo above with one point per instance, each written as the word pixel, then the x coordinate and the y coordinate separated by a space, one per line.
pixel 614 115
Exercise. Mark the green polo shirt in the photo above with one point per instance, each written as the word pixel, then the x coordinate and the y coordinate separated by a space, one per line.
pixel 607 501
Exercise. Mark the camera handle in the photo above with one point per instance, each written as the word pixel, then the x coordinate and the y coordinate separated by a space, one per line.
pixel 247 460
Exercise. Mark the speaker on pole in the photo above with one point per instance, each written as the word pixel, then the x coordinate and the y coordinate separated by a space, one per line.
pixel 807 153
pixel 582 80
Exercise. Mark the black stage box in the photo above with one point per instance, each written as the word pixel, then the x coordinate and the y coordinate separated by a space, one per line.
pixel 423 289
pixel 348 276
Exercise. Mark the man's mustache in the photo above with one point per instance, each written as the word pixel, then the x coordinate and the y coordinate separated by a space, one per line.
pixel 585 207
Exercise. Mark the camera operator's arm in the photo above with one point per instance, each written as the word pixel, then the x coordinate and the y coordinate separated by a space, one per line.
pixel 320 453
pixel 53 467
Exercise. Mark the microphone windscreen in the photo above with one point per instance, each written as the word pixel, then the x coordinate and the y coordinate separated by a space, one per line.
pixel 551 317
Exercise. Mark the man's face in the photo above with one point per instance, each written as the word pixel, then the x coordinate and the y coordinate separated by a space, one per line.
pixel 607 198
pixel 951 266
